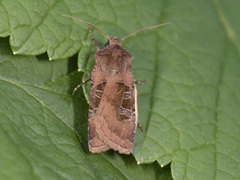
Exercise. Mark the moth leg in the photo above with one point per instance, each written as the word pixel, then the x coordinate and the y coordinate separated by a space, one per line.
pixel 140 127
pixel 76 88
pixel 91 35
pixel 140 82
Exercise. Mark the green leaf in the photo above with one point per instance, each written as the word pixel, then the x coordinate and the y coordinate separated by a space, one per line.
pixel 189 106
pixel 39 122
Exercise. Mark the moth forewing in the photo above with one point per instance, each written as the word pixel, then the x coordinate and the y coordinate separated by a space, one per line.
pixel 112 103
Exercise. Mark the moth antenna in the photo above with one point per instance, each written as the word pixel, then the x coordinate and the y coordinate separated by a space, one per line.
pixel 144 30
pixel 88 24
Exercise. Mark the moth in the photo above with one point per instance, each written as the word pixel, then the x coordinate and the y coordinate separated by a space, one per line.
pixel 113 115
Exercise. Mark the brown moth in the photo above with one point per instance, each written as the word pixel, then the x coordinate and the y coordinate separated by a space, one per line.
pixel 113 115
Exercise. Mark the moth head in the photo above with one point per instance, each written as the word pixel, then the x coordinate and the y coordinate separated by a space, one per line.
pixel 113 41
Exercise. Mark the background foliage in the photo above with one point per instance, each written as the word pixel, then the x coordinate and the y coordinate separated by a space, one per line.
pixel 189 106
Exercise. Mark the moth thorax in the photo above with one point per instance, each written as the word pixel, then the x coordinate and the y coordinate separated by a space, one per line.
pixel 113 72
pixel 114 41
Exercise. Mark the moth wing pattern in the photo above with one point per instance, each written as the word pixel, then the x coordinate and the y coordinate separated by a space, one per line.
pixel 94 143
pixel 115 118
